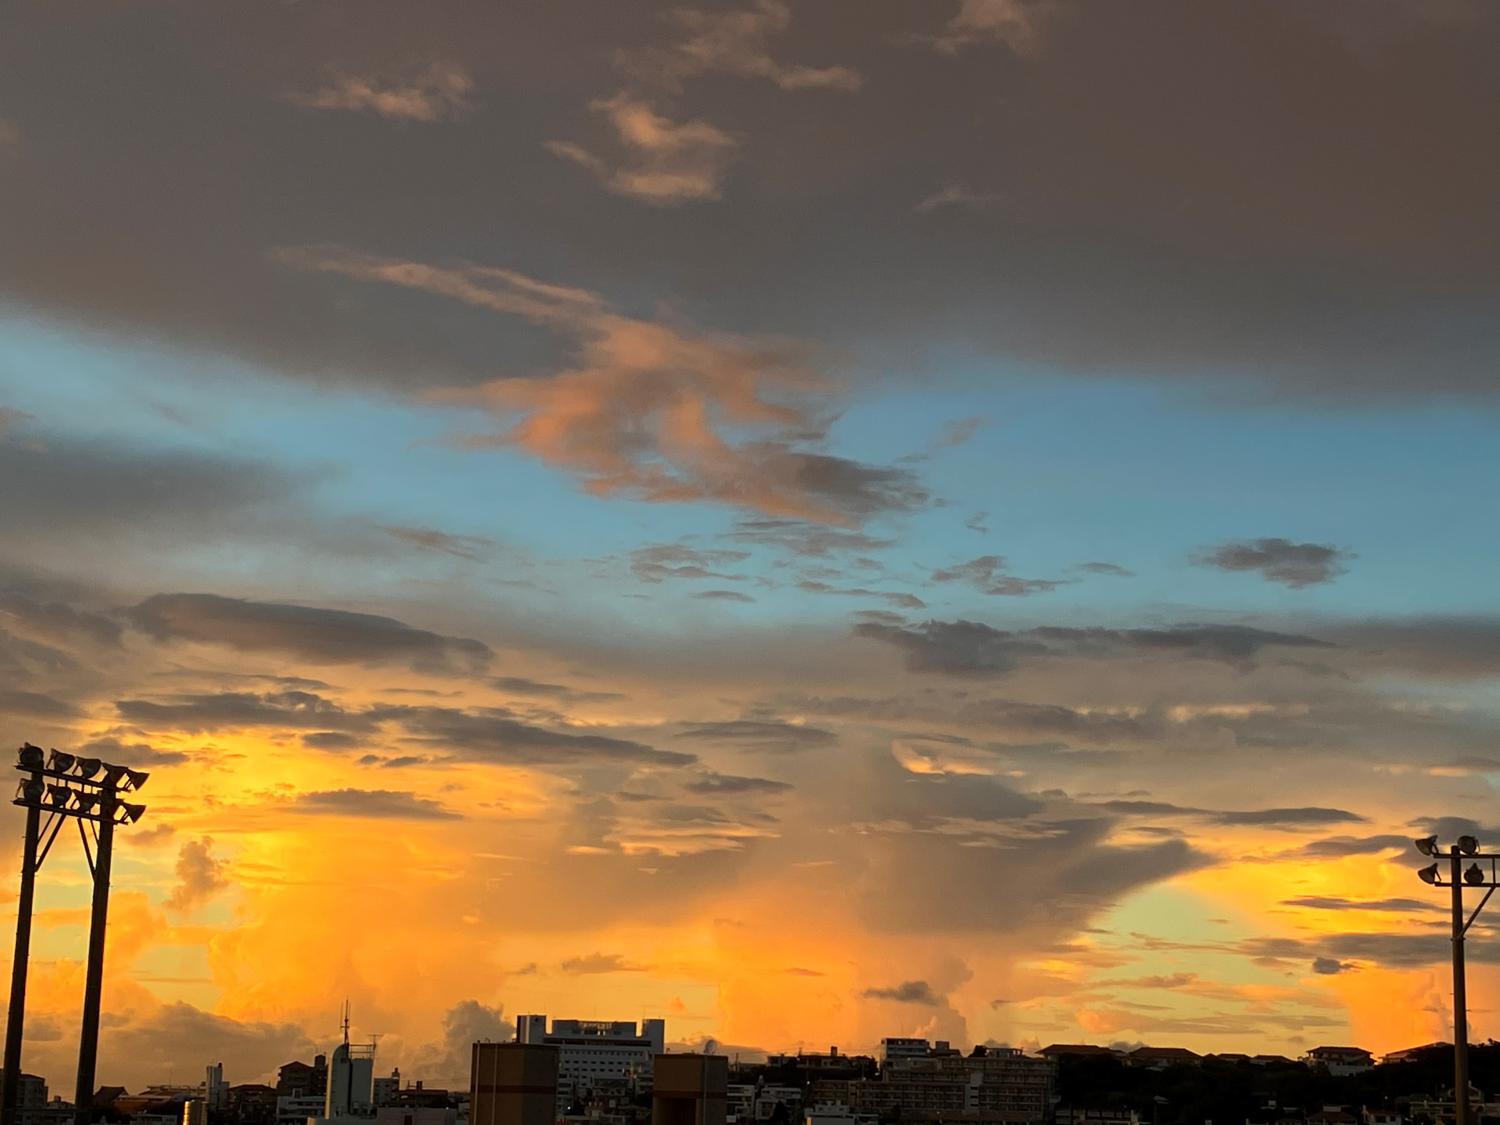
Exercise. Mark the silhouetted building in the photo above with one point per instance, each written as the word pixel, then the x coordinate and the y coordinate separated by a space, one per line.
pixel 1003 1086
pixel 893 1048
pixel 513 1084
pixel 297 1109
pixel 1073 1115
pixel 1076 1050
pixel 416 1115
pixel 689 1090
pixel 303 1080
pixel 386 1091
pixel 1159 1058
pixel 31 1095
pixel 249 1104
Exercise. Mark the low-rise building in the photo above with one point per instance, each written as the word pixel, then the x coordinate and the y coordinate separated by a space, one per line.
pixel 1056 1051
pixel 1077 1115
pixel 1159 1058
pixel 1413 1054
pixel 1340 1061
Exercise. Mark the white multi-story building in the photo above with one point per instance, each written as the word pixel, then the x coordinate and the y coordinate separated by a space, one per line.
pixel 590 1050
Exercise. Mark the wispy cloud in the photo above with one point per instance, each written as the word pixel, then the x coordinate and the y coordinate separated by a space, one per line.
pixel 652 158
pixel 733 41
pixel 439 90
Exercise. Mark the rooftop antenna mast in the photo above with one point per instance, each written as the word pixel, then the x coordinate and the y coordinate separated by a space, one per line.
pixel 345 1022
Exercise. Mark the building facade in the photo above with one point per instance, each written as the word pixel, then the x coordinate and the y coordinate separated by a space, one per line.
pixel 513 1084
pixel 592 1050
pixel 690 1090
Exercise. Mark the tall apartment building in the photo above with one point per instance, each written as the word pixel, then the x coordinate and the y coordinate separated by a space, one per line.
pixel 592 1050
pixel 689 1090
pixel 513 1084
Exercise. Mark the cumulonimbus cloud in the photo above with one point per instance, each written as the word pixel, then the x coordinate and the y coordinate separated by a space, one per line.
pixel 650 410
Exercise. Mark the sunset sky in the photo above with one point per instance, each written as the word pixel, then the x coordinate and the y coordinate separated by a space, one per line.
pixel 815 520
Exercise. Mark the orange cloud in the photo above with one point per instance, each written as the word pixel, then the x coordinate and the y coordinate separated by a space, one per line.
pixel 652 410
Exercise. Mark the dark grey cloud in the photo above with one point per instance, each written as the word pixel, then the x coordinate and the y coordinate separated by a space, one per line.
pixel 1336 277
pixel 986 574
pixel 904 600
pixel 302 710
pixel 35 705
pixel 856 489
pixel 1329 966
pixel 724 596
pixel 674 560
pixel 972 648
pixel 331 636
pixel 1334 847
pixel 97 488
pixel 53 620
pixel 472 547
pixel 732 785
pixel 380 804
pixel 520 685
pixel 496 736
pixel 1333 902
pixel 449 1059
pixel 158 1041
pixel 1288 817
pixel 140 755
pixel 1279 560
pixel 768 735
pixel 907 992
pixel 200 874
pixel 1434 646
pixel 1114 570
pixel 332 740
pixel 591 963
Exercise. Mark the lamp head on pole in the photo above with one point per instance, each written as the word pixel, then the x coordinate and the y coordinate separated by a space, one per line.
pixel 1429 875
pixel 1427 845
pixel 1469 845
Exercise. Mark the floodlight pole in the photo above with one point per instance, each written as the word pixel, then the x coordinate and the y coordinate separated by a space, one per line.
pixel 10 1095
pixel 1466 847
pixel 88 1041
pixel 1460 993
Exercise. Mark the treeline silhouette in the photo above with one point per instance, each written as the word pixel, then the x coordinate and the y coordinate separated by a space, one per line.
pixel 1232 1092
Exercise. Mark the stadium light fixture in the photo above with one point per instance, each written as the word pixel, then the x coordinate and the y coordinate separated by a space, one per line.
pixel 1459 879
pixel 63 786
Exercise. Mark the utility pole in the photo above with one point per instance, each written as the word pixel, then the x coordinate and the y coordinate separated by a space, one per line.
pixel 1467 847
pixel 10 1094
pixel 1460 996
